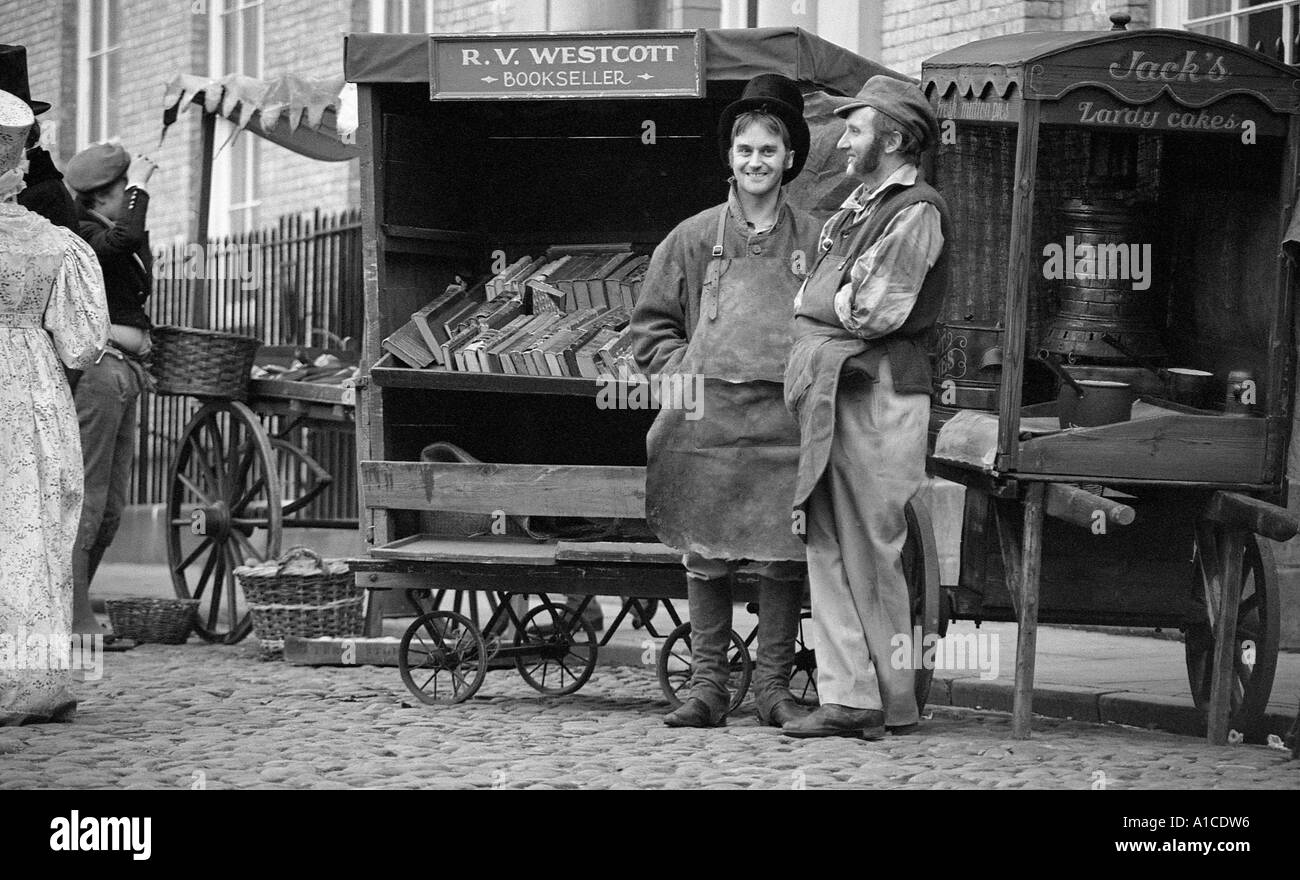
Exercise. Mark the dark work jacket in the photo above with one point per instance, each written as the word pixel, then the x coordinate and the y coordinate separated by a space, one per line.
pixel 824 350
pixel 124 255
pixel 45 193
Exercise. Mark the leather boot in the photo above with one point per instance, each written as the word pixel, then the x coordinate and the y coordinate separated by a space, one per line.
pixel 710 608
pixel 779 606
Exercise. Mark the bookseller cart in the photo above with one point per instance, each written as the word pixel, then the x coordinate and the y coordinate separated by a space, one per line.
pixel 1199 137
pixel 478 150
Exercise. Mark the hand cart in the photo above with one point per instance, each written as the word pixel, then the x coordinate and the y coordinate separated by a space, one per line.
pixel 513 173
pixel 1163 519
pixel 242 473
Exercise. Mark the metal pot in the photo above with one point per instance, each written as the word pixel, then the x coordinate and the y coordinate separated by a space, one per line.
pixel 1189 387
pixel 1103 402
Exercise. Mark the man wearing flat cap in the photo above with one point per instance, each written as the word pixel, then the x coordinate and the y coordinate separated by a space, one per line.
pixel 112 204
pixel 858 381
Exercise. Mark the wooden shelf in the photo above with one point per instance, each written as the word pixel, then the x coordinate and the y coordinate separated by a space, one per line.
pixel 385 374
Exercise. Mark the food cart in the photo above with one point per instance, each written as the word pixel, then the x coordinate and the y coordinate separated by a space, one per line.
pixel 478 150
pixel 1184 147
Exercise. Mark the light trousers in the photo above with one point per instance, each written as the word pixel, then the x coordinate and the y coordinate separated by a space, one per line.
pixel 856 531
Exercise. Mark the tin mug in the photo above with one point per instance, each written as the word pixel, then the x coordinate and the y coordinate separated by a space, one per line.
pixel 1189 387
pixel 1239 382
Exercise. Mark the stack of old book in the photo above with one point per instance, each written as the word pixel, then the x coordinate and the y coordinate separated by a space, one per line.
pixel 564 314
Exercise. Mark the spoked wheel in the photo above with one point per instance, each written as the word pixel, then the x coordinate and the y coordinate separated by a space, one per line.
pixel 442 658
pixel 803 677
pixel 921 569
pixel 223 510
pixel 675 667
pixel 1257 636
pixel 560 649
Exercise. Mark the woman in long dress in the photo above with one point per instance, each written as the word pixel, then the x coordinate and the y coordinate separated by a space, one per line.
pixel 52 308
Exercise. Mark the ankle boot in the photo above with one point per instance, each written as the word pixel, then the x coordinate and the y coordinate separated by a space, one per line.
pixel 710 609
pixel 779 606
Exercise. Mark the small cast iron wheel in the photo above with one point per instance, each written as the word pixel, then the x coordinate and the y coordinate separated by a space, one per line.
pixel 1258 619
pixel 223 510
pixel 560 650
pixel 442 658
pixel 921 569
pixel 803 677
pixel 675 667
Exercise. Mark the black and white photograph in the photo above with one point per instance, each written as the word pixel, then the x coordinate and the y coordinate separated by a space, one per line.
pixel 650 395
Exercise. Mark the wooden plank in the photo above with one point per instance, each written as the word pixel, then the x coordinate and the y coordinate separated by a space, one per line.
pixel 486 550
pixel 1207 449
pixel 1243 512
pixel 316 392
pixel 532 489
pixel 199 304
pixel 1027 629
pixel 370 406
pixel 1231 547
pixel 404 377
pixel 1080 508
pixel 357 651
pixel 644 581
pixel 616 551
pixel 1019 271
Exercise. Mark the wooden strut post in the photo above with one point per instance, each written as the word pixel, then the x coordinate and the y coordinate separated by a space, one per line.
pixel 1027 629
pixel 1231 547
pixel 199 304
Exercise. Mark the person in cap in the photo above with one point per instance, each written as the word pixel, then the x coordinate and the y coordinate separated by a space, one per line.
pixel 52 309
pixel 44 193
pixel 859 382
pixel 112 205
pixel 715 310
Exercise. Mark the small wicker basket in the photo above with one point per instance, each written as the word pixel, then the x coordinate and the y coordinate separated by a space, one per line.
pixel 160 621
pixel 204 363
pixel 300 594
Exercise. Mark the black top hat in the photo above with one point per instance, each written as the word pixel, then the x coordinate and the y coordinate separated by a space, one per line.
pixel 780 96
pixel 13 76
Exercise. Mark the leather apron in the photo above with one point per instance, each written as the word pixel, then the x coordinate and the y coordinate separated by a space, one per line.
pixel 721 485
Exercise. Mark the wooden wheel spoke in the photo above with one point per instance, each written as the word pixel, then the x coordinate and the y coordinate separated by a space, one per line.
pixel 218 581
pixel 246 545
pixel 213 430
pixel 200 455
pixel 232 597
pixel 185 563
pixel 204 575
pixel 198 493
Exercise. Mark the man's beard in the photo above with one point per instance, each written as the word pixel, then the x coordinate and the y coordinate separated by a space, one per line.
pixel 870 161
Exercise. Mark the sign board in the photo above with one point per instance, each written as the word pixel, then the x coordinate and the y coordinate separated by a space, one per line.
pixel 622 64
pixel 1098 108
pixel 1141 67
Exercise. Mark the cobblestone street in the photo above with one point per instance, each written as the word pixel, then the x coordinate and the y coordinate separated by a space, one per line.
pixel 205 716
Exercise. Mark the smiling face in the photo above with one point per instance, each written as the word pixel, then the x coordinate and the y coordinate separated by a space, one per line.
pixel 863 144
pixel 759 156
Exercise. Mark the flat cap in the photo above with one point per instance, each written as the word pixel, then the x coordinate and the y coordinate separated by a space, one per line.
pixel 97 165
pixel 902 101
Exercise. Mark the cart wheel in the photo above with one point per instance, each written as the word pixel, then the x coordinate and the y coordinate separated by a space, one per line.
pixel 1257 635
pixel 442 658
pixel 675 667
pixel 921 568
pixel 559 649
pixel 223 509
pixel 803 678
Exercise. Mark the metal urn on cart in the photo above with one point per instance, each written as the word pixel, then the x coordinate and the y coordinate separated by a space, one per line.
pixel 1126 195
pixel 478 152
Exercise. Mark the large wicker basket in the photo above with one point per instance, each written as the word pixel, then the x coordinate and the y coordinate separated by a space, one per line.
pixel 161 621
pixel 300 594
pixel 204 363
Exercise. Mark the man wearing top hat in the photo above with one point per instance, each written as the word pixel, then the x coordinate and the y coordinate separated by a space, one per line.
pixel 112 203
pixel 44 192
pixel 715 307
pixel 859 382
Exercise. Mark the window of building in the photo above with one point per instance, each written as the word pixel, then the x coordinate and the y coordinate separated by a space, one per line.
pixel 1268 26
pixel 98 66
pixel 236 47
pixel 401 16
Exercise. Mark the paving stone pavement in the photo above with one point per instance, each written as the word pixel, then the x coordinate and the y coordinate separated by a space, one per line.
pixel 214 716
